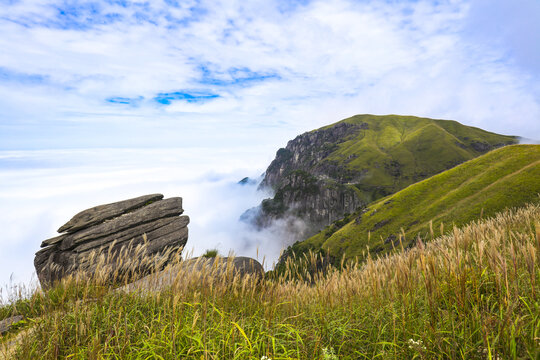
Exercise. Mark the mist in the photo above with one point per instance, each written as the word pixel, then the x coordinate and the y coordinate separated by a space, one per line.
pixel 526 141
pixel 41 190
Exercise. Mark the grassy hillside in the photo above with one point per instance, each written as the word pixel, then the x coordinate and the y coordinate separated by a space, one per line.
pixel 469 295
pixel 358 160
pixel 394 151
pixel 503 178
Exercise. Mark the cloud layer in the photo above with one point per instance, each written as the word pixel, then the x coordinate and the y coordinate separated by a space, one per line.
pixel 41 190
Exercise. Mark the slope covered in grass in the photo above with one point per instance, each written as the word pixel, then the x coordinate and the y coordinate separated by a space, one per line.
pixel 323 174
pixel 395 151
pixel 504 178
pixel 472 294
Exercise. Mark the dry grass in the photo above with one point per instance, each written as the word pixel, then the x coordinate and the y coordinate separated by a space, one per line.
pixel 468 295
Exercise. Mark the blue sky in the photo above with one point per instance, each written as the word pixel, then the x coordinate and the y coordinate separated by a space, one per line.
pixel 69 68
pixel 237 79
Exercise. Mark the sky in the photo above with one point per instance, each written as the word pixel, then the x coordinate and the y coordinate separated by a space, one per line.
pixel 110 99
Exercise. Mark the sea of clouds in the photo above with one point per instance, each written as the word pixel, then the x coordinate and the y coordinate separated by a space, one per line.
pixel 41 190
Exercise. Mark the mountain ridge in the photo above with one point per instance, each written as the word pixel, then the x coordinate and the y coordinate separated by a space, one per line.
pixel 324 174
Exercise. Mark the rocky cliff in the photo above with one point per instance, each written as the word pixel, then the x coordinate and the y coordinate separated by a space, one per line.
pixel 113 232
pixel 323 175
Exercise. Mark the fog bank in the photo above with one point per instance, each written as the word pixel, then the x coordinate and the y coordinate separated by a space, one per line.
pixel 41 190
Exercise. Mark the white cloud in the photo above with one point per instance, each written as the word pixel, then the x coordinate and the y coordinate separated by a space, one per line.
pixel 41 190
pixel 368 56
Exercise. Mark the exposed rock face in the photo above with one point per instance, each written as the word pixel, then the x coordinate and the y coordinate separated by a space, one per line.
pixel 217 268
pixel 307 151
pixel 303 195
pixel 101 213
pixel 238 265
pixel 109 229
pixel 307 184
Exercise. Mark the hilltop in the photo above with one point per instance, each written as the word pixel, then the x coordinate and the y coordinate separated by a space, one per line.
pixel 325 174
pixel 503 178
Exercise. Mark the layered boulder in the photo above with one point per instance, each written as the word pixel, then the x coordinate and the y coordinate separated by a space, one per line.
pixel 142 231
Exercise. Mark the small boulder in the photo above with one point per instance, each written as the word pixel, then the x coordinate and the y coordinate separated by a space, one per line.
pixel 239 265
pixel 214 268
pixel 6 324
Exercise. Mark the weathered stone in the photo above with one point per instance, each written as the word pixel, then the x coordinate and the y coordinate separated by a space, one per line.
pixel 135 233
pixel 157 210
pixel 53 240
pixel 6 324
pixel 149 221
pixel 42 255
pixel 239 265
pixel 167 240
pixel 154 256
pixel 101 213
pixel 169 236
pixel 217 268
pixel 53 264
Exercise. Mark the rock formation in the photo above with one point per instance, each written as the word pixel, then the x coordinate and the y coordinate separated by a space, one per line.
pixel 306 184
pixel 112 233
pixel 218 266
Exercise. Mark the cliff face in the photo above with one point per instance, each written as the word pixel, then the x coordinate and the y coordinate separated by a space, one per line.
pixel 302 195
pixel 307 185
pixel 323 175
pixel 307 152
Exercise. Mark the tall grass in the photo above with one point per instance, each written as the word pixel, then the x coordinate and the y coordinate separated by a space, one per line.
pixel 472 294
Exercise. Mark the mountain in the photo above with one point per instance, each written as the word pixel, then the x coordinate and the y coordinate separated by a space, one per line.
pixel 325 174
pixel 479 188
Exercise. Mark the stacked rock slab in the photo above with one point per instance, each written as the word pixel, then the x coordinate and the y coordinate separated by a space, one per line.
pixel 114 232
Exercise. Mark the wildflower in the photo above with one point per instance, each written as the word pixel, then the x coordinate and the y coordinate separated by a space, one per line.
pixel 264 357
pixel 328 354
pixel 416 345
pixel 485 353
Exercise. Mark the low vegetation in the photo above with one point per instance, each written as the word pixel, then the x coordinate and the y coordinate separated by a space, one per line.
pixel 211 253
pixel 470 294
pixel 394 151
pixel 503 178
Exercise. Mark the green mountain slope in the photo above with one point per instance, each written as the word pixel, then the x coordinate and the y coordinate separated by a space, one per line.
pixel 326 173
pixel 395 151
pixel 503 178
